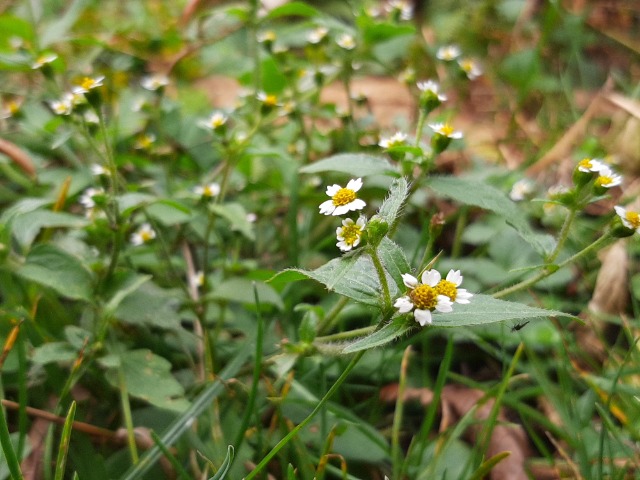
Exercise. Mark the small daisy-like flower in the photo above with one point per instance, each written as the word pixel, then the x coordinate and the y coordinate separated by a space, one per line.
pixel 344 199
pixel 43 60
pixel 88 198
pixel 423 297
pixel 99 170
pixel 143 235
pixel 445 130
pixel 214 122
pixel 470 67
pixel 449 287
pixel 448 53
pixel 396 140
pixel 208 191
pixel 197 280
pixel 87 84
pixel 346 41
pixel 521 190
pixel 317 35
pixel 251 217
pixel 144 141
pixel 429 86
pixel 349 233
pixel 10 109
pixel 266 36
pixel 630 219
pixel 401 7
pixel 154 82
pixel 590 165
pixel 407 76
pixel 62 107
pixel 269 100
pixel 607 178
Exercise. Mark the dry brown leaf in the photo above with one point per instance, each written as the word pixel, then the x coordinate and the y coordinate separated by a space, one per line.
pixel 612 284
pixel 18 156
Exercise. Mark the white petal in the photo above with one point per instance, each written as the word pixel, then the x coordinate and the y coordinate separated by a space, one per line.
pixel 454 277
pixel 347 221
pixel 356 242
pixel 357 204
pixel 345 247
pixel 333 189
pixel 403 304
pixel 409 280
pixel 462 296
pixel 423 317
pixel 327 207
pixel 361 222
pixel 431 277
pixel 444 304
pixel 342 209
pixel 620 211
pixel 355 185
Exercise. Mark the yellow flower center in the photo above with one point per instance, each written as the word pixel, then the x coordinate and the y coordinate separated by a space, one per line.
pixel 585 163
pixel 424 297
pixel 446 130
pixel 146 235
pixel 13 107
pixel 447 288
pixel 351 233
pixel 604 181
pixel 88 83
pixel 270 100
pixel 207 191
pixel 343 196
pixel 634 219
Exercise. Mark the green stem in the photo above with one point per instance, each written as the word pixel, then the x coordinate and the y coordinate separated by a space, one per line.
pixel 337 337
pixel 382 277
pixel 564 234
pixel 396 451
pixel 549 271
pixel 327 321
pixel 263 463
pixel 420 127
pixel 126 413
pixel 456 248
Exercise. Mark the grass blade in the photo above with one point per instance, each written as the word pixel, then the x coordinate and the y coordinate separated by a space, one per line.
pixel 61 462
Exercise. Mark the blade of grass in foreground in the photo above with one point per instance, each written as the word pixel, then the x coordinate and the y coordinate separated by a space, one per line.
pixel 7 448
pixel 61 462
pixel 184 421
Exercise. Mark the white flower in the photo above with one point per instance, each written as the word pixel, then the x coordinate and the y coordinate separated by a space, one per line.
pixel 208 191
pixel 42 60
pixel 423 298
pixel 521 190
pixel 144 141
pixel 591 165
pixel 449 287
pixel 143 235
pixel 317 35
pixel 448 53
pixel 396 140
pixel 98 170
pixel 346 41
pixel 197 279
pixel 154 82
pixel 607 178
pixel 629 218
pixel 429 86
pixel 343 199
pixel 87 199
pixel 215 121
pixel 445 130
pixel 402 6
pixel 349 233
pixel 63 106
pixel 268 99
pixel 88 83
pixel 9 109
pixel 251 217
pixel 470 67
pixel 266 36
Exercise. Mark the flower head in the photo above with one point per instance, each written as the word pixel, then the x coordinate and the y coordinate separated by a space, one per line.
pixel 154 82
pixel 266 36
pixel 144 141
pixel 214 122
pixel 607 178
pixel 43 60
pixel 344 199
pixel 449 288
pixel 448 53
pixel 587 165
pixel 630 219
pixel 98 170
pixel 10 108
pixel 521 190
pixel 269 100
pixel 64 106
pixel 470 67
pixel 143 235
pixel 400 7
pixel 349 233
pixel 346 41
pixel 88 83
pixel 208 191
pixel 317 35
pixel 423 297
pixel 430 96
pixel 445 130
pixel 89 197
pixel 396 140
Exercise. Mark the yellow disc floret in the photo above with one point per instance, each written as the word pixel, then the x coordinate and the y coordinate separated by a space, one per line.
pixel 634 219
pixel 343 196
pixel 447 288
pixel 424 297
pixel 351 233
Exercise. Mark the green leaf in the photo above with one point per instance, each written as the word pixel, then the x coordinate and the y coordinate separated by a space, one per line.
pixel 169 212
pixel 54 268
pixel 484 309
pixel 298 9
pixel 396 328
pixel 54 352
pixel 391 207
pixel 12 26
pixel 127 285
pixel 58 29
pixel 355 164
pixel 145 303
pixel 241 290
pixel 471 191
pixel 393 260
pixel 226 465
pixel 131 201
pixel 237 216
pixel 148 377
pixel 25 227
